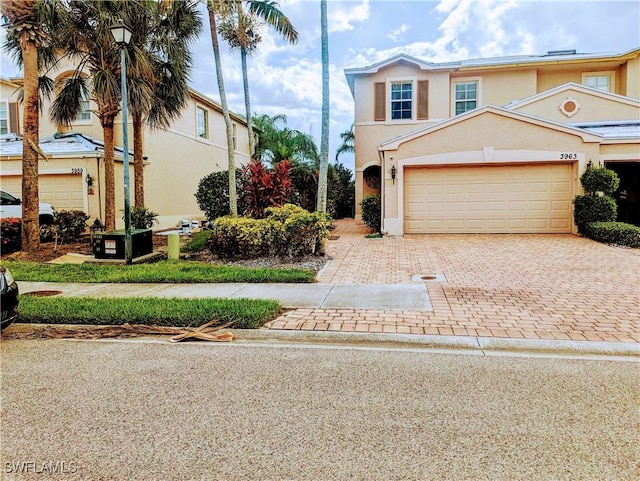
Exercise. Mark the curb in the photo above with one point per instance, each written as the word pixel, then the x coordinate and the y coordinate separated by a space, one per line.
pixel 482 346
pixel 479 345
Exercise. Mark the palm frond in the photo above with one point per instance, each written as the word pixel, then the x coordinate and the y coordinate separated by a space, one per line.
pixel 269 11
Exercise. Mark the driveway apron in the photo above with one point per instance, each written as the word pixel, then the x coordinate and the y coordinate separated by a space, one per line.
pixel 511 286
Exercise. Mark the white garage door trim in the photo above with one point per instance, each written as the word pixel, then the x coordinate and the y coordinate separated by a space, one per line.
pixel 517 198
pixel 65 189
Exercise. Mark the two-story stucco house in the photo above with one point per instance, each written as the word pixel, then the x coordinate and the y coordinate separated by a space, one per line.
pixel 72 176
pixel 494 145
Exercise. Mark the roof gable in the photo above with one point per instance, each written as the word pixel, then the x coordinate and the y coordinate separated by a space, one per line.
pixel 394 144
pixel 573 87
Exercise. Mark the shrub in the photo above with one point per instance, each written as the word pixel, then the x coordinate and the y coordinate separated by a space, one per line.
pixel 266 188
pixel 241 237
pixel 371 212
pixel 599 179
pixel 197 242
pixel 301 230
pixel 587 209
pixel 213 194
pixel 143 218
pixel 69 224
pixel 614 233
pixel 286 231
pixel 11 231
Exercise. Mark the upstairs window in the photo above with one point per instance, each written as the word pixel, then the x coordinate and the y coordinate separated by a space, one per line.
pixel 598 81
pixel 4 118
pixel 85 110
pixel 401 100
pixel 203 123
pixel 465 96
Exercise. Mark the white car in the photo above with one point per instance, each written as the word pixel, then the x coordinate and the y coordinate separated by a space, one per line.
pixel 11 206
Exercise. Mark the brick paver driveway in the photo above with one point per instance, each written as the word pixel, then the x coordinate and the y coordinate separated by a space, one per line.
pixel 518 286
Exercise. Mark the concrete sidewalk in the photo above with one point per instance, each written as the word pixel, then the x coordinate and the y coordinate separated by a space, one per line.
pixel 381 297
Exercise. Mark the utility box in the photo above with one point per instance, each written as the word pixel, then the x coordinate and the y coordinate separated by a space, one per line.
pixel 110 245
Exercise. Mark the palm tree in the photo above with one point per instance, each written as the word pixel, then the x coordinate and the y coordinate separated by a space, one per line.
pixel 321 205
pixel 276 143
pixel 222 8
pixel 89 41
pixel 239 29
pixel 30 25
pixel 348 144
pixel 163 31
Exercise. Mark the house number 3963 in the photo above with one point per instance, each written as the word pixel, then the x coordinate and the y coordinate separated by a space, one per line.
pixel 76 171
pixel 568 156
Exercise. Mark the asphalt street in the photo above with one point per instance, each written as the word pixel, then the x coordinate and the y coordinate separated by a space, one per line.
pixel 151 410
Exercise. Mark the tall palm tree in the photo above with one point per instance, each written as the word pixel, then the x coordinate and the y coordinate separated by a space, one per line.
pixel 163 31
pixel 321 205
pixel 221 8
pixel 89 41
pixel 348 144
pixel 30 25
pixel 240 30
pixel 276 143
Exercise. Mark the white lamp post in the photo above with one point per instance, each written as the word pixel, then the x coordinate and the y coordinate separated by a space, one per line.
pixel 122 36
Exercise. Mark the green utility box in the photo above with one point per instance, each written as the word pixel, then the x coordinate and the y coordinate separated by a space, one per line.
pixel 110 245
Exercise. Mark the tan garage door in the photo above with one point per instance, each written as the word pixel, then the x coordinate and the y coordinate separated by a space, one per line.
pixel 489 199
pixel 62 191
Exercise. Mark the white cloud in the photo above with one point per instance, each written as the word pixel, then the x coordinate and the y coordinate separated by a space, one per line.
pixel 396 35
pixel 341 16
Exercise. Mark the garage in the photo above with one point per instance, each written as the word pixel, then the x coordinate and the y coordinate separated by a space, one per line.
pixel 62 190
pixel 529 198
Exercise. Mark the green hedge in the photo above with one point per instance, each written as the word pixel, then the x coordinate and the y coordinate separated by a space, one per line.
pixel 614 233
pixel 590 208
pixel 371 212
pixel 289 231
pixel 600 179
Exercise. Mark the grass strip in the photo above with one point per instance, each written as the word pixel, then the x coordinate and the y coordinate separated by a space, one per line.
pixel 247 313
pixel 157 272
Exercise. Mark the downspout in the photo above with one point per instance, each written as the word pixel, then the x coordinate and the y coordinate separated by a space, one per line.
pixel 383 231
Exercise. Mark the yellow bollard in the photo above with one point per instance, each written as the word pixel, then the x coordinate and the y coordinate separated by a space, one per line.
pixel 173 244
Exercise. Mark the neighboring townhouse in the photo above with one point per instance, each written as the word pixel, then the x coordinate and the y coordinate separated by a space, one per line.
pixel 72 176
pixel 494 145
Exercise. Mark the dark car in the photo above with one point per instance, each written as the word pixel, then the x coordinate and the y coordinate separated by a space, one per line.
pixel 9 297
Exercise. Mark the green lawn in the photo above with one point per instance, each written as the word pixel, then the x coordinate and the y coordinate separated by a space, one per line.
pixel 247 313
pixel 157 272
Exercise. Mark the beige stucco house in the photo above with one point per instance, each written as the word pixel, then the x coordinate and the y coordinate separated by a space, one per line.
pixel 494 145
pixel 72 176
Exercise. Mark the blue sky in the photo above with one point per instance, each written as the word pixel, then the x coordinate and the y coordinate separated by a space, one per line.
pixel 287 79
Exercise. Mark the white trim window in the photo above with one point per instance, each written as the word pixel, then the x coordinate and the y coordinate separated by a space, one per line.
pixel 599 80
pixel 202 117
pixel 401 100
pixel 84 115
pixel 466 96
pixel 4 117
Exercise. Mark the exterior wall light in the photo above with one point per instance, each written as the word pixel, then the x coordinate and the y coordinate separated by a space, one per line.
pixel 393 173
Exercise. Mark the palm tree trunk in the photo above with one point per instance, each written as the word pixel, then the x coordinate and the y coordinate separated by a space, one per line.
pixel 233 201
pixel 321 205
pixel 109 177
pixel 138 161
pixel 30 195
pixel 247 102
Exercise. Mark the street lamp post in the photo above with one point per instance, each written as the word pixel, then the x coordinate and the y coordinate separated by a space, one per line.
pixel 122 36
